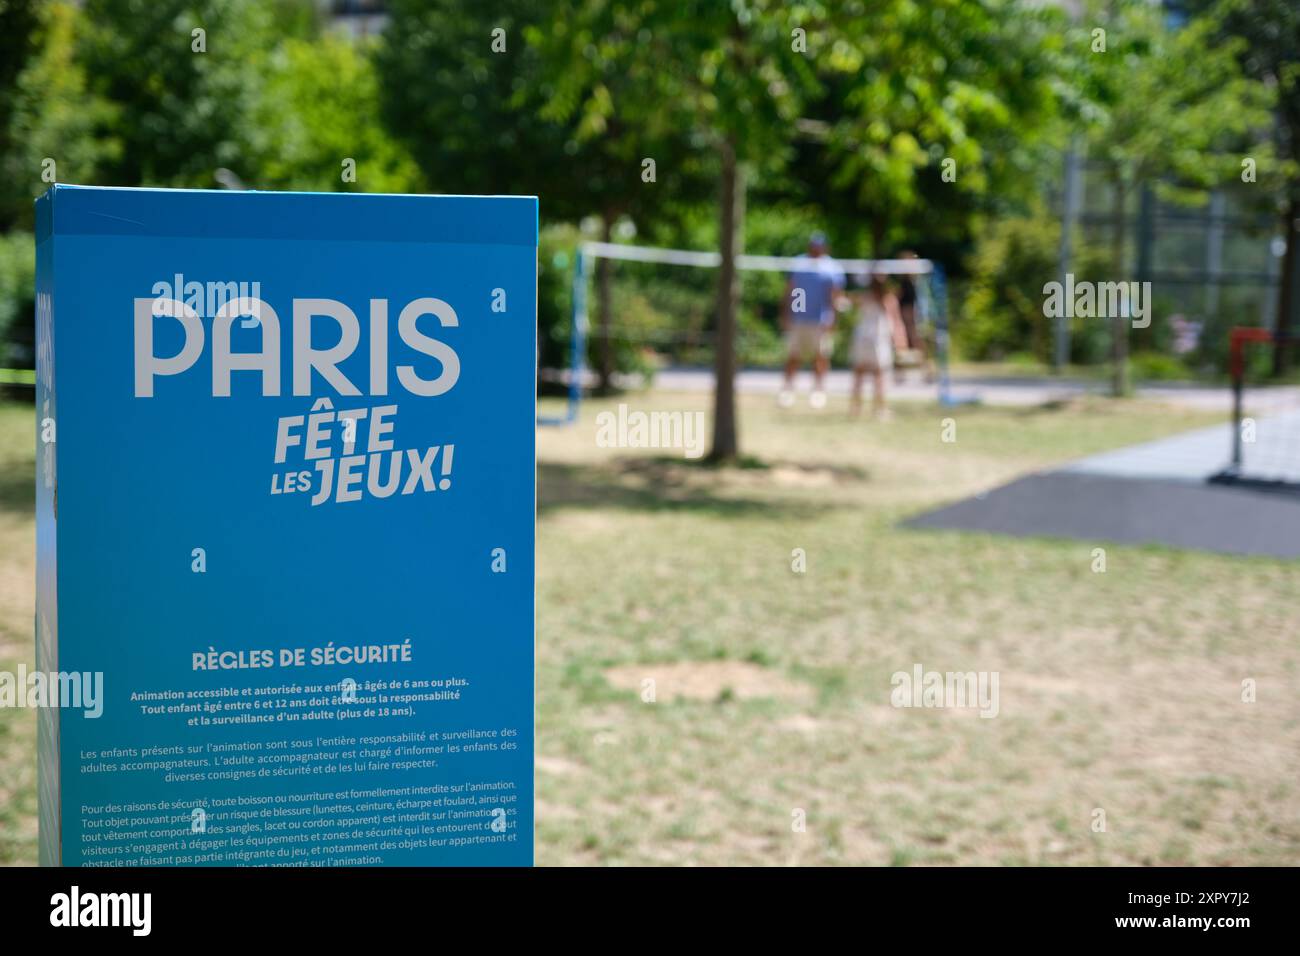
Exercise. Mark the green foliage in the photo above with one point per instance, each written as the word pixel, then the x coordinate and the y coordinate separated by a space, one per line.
pixel 666 313
pixel 502 121
pixel 1265 37
pixel 911 87
pixel 18 22
pixel 1003 310
pixel 321 97
pixel 181 114
pixel 451 100
pixel 1166 107
pixel 1171 105
pixel 841 113
pixel 556 250
pixel 722 71
pixel 261 92
pixel 1159 367
pixel 720 74
pixel 17 300
pixel 52 118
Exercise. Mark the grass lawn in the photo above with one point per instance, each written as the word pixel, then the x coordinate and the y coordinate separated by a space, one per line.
pixel 17 612
pixel 1118 691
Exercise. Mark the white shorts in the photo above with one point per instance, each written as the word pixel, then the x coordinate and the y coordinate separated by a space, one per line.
pixel 805 339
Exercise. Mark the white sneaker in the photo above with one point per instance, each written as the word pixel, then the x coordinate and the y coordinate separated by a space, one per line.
pixel 817 399
pixel 785 398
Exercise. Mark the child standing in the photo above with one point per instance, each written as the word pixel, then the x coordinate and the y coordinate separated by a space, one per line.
pixel 878 331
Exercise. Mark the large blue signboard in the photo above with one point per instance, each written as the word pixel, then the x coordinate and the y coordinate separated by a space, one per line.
pixel 285 527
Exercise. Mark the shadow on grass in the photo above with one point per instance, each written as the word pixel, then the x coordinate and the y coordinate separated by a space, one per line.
pixel 671 484
pixel 655 467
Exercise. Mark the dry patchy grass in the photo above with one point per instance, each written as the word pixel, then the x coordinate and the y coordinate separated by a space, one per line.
pixel 1119 691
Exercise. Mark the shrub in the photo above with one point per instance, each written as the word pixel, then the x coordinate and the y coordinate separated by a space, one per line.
pixel 1002 312
pixel 17 300
pixel 1158 367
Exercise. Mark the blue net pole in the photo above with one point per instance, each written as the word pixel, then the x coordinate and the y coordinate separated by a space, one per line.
pixel 577 343
pixel 939 297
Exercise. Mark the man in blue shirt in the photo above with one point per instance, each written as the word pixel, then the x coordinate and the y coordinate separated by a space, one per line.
pixel 812 293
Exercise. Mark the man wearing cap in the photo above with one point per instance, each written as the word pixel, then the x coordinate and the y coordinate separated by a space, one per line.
pixel 812 293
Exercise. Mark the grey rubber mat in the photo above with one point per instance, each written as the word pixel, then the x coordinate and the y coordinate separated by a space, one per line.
pixel 1101 508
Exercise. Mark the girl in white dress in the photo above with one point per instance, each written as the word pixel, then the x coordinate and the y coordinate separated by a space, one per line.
pixel 877 332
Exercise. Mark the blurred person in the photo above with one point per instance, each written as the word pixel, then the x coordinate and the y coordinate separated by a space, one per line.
pixel 907 300
pixel 812 292
pixel 878 332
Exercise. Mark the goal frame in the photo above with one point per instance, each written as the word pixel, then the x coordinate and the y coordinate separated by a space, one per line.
pixel 711 260
pixel 1239 338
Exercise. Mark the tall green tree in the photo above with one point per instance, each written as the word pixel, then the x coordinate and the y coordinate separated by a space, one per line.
pixel 1267 35
pixel 186 78
pixel 730 73
pixel 449 91
pixel 51 118
pixel 321 98
pixel 932 114
pixel 644 168
pixel 19 20
pixel 871 98
pixel 487 103
pixel 1174 110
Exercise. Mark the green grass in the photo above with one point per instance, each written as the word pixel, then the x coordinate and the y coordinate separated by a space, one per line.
pixel 17 611
pixel 1119 691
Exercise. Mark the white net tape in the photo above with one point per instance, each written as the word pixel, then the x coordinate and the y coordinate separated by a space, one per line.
pixel 711 260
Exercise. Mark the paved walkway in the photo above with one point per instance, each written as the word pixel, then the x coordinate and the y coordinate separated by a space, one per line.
pixel 1194 456
pixel 1157 492
pixel 991 390
pixel 1198 455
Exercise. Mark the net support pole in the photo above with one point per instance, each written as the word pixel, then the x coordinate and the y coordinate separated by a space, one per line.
pixel 939 293
pixel 1236 422
pixel 1072 190
pixel 1237 340
pixel 577 342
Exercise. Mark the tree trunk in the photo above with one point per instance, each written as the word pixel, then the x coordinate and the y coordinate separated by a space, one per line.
pixel 731 226
pixel 878 237
pixel 1119 323
pixel 605 312
pixel 1286 291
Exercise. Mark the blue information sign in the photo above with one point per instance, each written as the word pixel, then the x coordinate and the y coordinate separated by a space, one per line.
pixel 286 505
